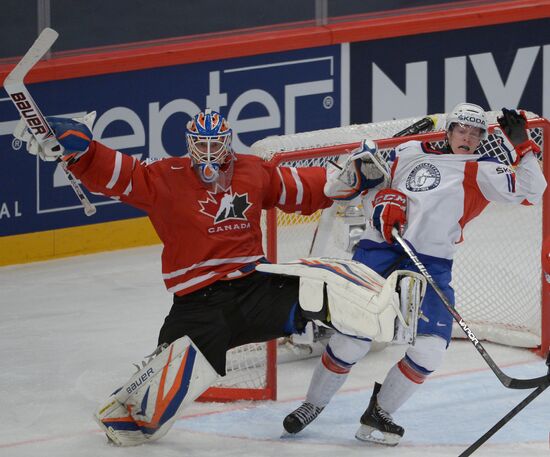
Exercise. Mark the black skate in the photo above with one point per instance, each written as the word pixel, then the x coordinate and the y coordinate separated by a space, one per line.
pixel 297 420
pixel 377 425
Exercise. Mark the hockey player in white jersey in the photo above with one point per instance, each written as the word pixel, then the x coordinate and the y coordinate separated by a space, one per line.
pixel 434 193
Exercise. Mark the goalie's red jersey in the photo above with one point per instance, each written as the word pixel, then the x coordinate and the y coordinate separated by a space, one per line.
pixel 207 236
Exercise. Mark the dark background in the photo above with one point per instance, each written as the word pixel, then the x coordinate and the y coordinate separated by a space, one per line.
pixel 92 23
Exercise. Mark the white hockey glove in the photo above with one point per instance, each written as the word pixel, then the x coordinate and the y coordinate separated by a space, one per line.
pixel 513 136
pixel 359 171
pixel 73 137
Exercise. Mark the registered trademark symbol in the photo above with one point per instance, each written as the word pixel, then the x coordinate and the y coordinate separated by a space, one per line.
pixel 328 102
pixel 16 144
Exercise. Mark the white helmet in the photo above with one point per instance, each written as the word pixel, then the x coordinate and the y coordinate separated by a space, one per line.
pixel 470 115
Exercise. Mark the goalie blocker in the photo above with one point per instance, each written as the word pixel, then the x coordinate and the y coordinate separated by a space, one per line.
pixel 355 300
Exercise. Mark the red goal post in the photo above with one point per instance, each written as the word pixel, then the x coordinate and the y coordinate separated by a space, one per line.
pixel 500 289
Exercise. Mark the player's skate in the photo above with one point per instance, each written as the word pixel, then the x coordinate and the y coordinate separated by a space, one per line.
pixel 377 425
pixel 298 419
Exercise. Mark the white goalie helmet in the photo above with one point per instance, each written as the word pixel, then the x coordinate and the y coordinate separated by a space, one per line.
pixel 468 114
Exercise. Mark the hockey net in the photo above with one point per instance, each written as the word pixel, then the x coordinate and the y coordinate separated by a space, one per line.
pixel 496 274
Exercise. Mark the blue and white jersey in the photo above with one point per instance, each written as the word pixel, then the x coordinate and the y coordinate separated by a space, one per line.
pixel 445 191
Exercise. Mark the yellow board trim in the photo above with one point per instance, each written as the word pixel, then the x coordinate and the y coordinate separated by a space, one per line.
pixel 85 239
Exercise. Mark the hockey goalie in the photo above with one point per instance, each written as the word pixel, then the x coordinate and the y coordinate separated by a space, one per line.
pixel 221 298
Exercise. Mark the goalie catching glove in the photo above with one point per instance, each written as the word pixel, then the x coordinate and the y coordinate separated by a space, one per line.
pixel 514 139
pixel 390 210
pixel 72 137
pixel 359 171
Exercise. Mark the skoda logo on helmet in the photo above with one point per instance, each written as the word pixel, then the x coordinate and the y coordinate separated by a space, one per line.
pixel 472 120
pixel 468 114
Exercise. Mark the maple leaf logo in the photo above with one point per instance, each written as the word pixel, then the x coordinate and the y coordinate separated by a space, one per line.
pixel 222 207
pixel 209 206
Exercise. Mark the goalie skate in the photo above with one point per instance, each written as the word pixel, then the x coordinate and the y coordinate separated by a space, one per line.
pixel 113 410
pixel 377 425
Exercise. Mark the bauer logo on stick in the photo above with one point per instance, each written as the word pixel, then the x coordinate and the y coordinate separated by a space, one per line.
pixel 14 84
pixel 33 119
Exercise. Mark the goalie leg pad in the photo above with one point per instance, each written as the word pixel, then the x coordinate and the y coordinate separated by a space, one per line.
pixel 115 420
pixel 352 297
pixel 145 408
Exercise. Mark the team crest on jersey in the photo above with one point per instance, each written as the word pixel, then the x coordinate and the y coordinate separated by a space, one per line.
pixel 224 206
pixel 423 177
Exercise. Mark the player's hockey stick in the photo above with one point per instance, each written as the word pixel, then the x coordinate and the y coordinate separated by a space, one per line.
pixel 29 111
pixel 423 125
pixel 508 416
pixel 507 381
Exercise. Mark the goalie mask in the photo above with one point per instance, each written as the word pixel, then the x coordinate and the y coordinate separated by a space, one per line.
pixel 209 145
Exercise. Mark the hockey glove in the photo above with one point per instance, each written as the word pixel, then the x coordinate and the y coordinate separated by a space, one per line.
pixel 73 137
pixel 359 171
pixel 515 141
pixel 390 210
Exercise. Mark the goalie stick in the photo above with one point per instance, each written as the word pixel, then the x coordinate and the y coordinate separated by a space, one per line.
pixel 507 381
pixel 29 111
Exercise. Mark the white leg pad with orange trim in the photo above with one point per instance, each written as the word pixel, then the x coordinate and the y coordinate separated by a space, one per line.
pixel 353 298
pixel 145 408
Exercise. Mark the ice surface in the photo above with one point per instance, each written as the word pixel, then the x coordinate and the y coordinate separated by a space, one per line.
pixel 70 330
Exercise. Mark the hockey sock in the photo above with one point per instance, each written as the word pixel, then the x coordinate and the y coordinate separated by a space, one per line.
pixel 398 387
pixel 328 377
